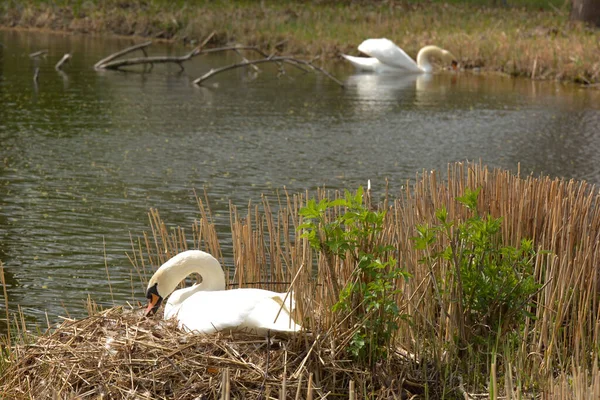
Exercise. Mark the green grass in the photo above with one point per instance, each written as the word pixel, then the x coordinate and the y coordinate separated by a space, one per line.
pixel 531 38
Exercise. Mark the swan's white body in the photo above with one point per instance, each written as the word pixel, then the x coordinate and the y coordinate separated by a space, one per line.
pixel 207 307
pixel 386 57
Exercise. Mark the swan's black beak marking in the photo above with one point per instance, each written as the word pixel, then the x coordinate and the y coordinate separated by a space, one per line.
pixel 154 300
pixel 454 65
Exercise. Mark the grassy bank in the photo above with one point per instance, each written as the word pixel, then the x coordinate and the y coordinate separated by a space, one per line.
pixel 537 41
pixel 534 332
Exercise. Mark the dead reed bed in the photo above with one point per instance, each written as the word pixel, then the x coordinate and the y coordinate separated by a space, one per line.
pixel 555 354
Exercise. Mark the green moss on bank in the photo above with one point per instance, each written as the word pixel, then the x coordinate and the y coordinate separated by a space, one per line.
pixel 520 41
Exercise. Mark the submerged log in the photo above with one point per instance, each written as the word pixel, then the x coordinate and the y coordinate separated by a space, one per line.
pixel 279 59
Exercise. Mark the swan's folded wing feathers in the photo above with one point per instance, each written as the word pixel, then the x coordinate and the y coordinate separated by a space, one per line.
pixel 388 53
pixel 239 309
pixel 363 63
pixel 264 316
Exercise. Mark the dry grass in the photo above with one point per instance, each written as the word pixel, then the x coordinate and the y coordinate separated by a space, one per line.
pixel 515 41
pixel 555 353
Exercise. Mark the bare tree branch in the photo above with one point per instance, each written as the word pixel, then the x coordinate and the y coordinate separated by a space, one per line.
pixel 284 59
pixel 237 48
pixel 37 54
pixel 208 39
pixel 216 50
pixel 150 60
pixel 244 59
pixel 100 64
pixel 62 61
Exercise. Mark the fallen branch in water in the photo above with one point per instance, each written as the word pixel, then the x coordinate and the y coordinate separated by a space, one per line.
pixel 142 46
pixel 150 60
pixel 108 63
pixel 38 54
pixel 279 59
pixel 36 57
pixel 62 61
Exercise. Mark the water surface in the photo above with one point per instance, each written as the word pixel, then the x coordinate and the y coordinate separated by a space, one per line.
pixel 85 154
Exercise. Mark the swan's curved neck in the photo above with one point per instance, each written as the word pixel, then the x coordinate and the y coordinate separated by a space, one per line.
pixel 426 54
pixel 189 262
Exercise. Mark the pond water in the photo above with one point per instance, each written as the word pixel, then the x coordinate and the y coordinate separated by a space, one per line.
pixel 85 154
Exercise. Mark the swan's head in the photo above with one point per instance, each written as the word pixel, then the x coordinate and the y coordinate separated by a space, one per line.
pixel 159 287
pixel 447 58
pixel 167 277
pixel 428 52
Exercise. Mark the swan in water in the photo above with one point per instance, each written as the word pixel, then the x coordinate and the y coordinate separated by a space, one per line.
pixel 207 307
pixel 385 56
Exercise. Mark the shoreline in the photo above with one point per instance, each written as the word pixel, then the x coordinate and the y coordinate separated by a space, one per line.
pixel 542 45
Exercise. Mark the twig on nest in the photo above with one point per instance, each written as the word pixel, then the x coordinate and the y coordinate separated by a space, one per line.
pixel 284 59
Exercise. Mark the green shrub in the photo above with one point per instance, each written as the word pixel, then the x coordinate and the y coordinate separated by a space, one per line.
pixel 368 301
pixel 493 284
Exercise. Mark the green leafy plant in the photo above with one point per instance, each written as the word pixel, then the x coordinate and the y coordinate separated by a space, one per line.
pixel 346 230
pixel 493 284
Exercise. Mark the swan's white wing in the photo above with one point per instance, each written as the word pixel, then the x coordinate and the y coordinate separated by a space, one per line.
pixel 209 312
pixel 266 314
pixel 363 63
pixel 250 309
pixel 369 64
pixel 388 53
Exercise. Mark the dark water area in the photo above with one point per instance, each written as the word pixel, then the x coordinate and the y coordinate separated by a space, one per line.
pixel 85 154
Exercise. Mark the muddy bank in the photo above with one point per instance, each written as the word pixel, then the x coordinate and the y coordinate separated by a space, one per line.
pixel 533 43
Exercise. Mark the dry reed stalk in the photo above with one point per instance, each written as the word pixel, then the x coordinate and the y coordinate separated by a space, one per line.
pixel 6 308
pixel 112 297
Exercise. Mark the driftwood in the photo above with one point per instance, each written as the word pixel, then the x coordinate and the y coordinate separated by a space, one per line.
pixel 149 60
pixel 108 63
pixel 62 61
pixel 111 61
pixel 38 54
pixel 280 59
pixel 141 46
pixel 253 48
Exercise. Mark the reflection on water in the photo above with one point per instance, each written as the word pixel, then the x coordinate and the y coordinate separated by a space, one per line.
pixel 86 154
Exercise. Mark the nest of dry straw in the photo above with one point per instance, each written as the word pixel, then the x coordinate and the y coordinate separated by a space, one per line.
pixel 118 354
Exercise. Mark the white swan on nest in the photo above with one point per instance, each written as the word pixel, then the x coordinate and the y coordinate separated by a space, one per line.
pixel 385 56
pixel 207 307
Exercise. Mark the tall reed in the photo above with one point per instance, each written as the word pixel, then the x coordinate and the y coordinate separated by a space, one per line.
pixel 560 216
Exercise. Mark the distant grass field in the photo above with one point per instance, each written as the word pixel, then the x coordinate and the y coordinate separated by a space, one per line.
pixel 532 38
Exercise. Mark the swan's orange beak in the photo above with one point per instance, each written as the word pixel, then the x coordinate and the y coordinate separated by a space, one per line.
pixel 454 65
pixel 153 303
